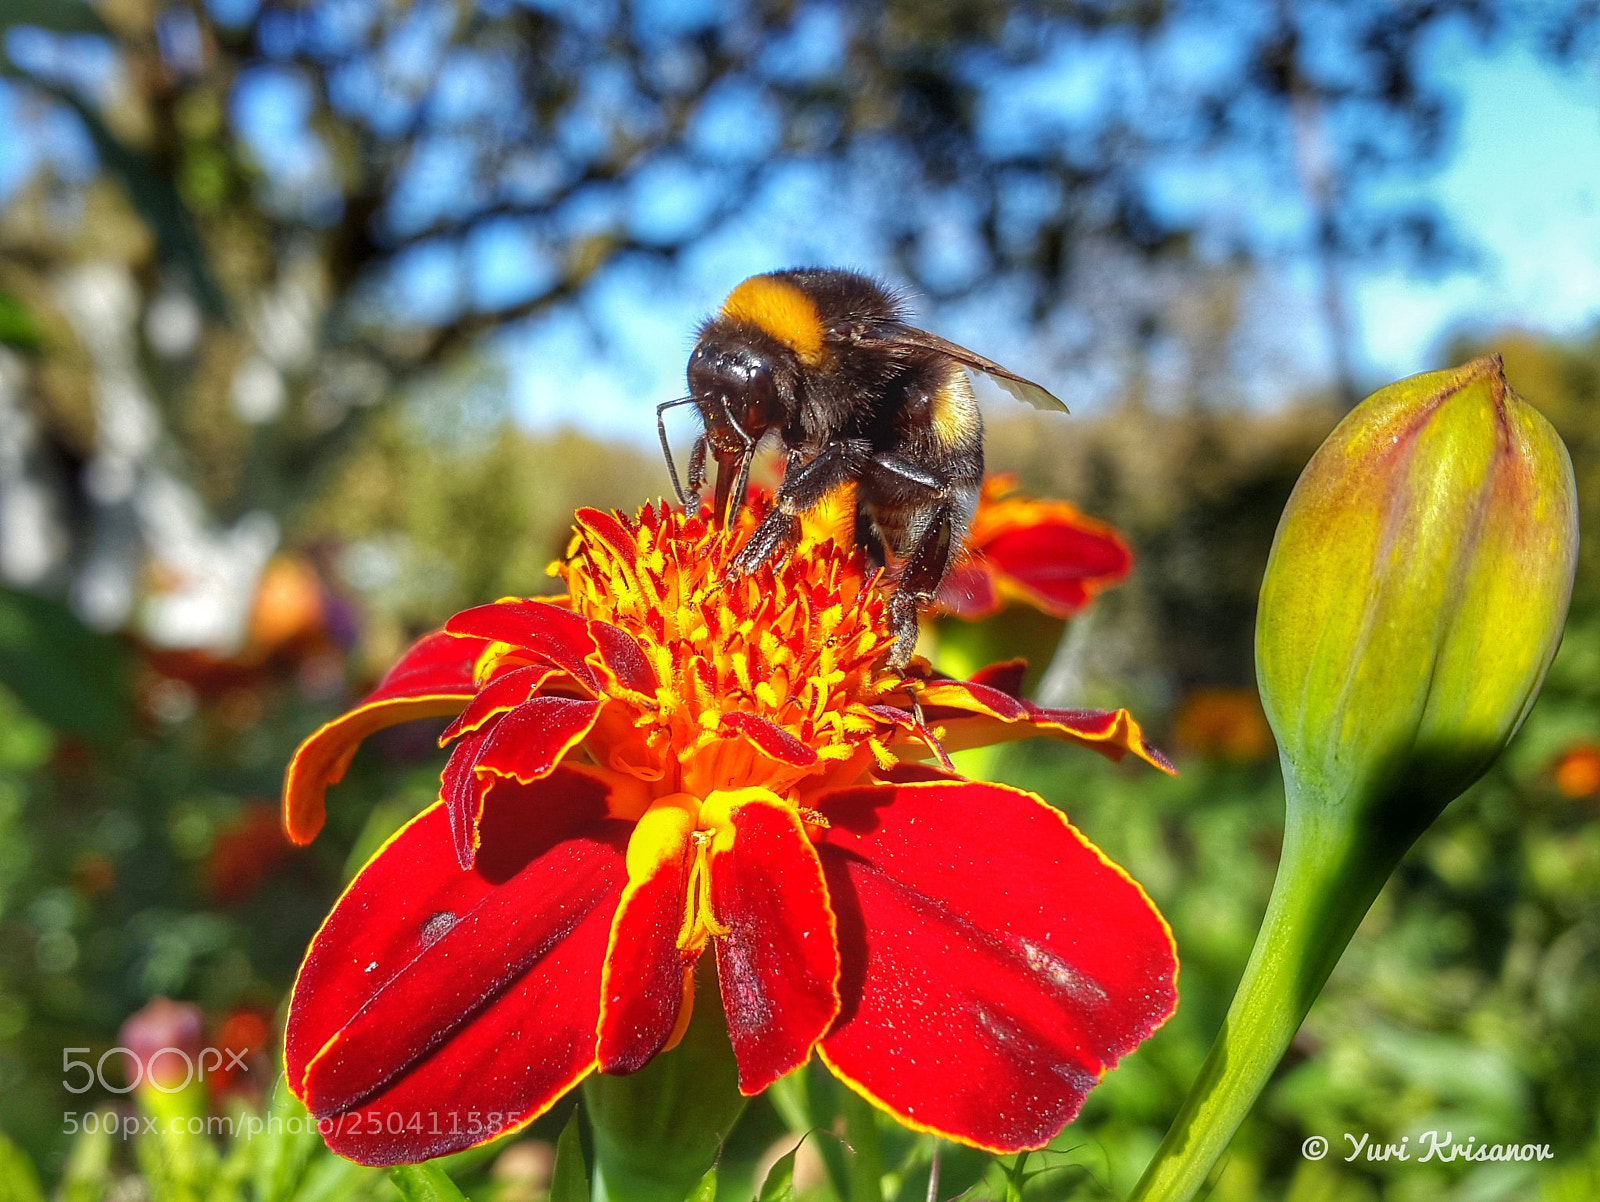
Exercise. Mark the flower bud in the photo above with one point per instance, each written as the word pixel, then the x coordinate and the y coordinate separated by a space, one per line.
pixel 1416 593
pixel 1414 598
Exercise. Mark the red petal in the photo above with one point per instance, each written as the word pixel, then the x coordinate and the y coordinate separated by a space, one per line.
pixel 910 772
pixel 524 745
pixel 556 635
pixel 621 653
pixel 505 692
pixel 609 530
pixel 995 964
pixel 644 983
pixel 972 714
pixel 1006 676
pixel 437 1007
pixel 969 696
pixel 1101 729
pixel 530 741
pixel 433 678
pixel 434 664
pixel 778 966
pixel 462 791
pixel 770 739
pixel 894 716
pixel 968 592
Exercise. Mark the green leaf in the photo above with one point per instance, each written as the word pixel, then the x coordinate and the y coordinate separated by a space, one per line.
pixel 706 1191
pixel 18 1181
pixel 569 1179
pixel 176 1159
pixel 285 1149
pixel 68 676
pixel 791 1098
pixel 228 1180
pixel 334 1179
pixel 18 330
pixel 87 1177
pixel 779 1185
pixel 425 1182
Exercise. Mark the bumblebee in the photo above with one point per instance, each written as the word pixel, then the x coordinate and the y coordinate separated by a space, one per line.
pixel 825 359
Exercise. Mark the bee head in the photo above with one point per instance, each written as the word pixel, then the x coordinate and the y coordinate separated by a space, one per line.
pixel 746 368
pixel 734 383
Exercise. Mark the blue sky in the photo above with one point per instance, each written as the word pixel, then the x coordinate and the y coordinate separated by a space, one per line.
pixel 1523 187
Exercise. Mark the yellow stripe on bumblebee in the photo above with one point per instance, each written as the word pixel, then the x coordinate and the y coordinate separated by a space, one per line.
pixel 782 310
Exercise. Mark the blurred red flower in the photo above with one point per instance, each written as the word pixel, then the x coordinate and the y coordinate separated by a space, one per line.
pixel 244 853
pixel 164 1037
pixel 243 1037
pixel 1043 554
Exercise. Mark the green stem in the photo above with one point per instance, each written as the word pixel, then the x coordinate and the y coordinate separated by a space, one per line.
pixel 866 1158
pixel 659 1130
pixel 1332 868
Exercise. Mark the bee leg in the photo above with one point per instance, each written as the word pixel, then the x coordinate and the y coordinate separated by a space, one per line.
pixel 923 511
pixel 919 582
pixel 802 489
pixel 772 539
pixel 697 467
pixel 868 538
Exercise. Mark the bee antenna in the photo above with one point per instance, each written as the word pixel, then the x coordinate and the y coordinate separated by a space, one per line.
pixel 666 448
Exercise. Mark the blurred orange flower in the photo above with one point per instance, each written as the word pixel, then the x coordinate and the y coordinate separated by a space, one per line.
pixel 298 628
pixel 244 1036
pixel 1224 724
pixel 1577 771
pixel 289 606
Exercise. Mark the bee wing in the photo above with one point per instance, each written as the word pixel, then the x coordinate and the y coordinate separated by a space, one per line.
pixel 1023 389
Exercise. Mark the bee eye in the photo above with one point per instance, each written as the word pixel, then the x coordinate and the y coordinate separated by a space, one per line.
pixel 760 384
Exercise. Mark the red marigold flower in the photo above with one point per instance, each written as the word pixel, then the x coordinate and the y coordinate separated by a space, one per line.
pixel 662 762
pixel 1043 554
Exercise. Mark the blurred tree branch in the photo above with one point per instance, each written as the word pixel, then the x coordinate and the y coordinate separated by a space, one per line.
pixel 298 173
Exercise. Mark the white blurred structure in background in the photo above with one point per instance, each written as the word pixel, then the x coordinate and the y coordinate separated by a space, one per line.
pixel 152 560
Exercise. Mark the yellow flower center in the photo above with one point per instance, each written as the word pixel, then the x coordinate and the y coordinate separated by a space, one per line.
pixel 793 645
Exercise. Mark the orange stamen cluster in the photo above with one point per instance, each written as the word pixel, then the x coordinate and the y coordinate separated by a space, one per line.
pixel 797 644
